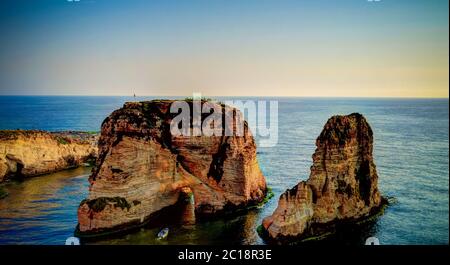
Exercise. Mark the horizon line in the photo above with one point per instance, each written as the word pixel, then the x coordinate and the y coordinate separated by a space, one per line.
pixel 206 96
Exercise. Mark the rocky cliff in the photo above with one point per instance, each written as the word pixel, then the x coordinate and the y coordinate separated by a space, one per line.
pixel 142 170
pixel 31 153
pixel 342 184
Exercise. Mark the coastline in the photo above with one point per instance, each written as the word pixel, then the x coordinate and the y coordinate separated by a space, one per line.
pixel 32 153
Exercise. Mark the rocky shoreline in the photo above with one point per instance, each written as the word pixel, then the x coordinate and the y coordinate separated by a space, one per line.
pixel 30 153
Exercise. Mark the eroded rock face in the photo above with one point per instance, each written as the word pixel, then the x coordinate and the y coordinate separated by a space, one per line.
pixel 31 153
pixel 141 163
pixel 342 184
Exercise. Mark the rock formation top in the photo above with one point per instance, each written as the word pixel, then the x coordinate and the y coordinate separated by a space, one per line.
pixel 142 169
pixel 342 184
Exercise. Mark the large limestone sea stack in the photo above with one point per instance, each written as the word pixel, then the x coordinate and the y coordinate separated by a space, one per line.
pixel 143 170
pixel 342 185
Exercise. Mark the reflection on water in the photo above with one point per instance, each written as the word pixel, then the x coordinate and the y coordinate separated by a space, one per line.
pixel 237 229
pixel 42 210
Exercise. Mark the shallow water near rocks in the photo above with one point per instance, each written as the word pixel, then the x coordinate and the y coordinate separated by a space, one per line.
pixel 410 150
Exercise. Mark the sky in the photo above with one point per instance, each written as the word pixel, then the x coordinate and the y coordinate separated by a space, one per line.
pixel 309 48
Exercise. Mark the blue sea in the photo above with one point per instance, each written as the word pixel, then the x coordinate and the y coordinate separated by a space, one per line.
pixel 411 151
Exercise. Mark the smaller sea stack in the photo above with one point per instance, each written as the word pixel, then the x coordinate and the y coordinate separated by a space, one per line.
pixel 342 185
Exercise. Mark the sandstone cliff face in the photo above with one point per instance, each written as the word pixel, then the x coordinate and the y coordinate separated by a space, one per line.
pixel 32 153
pixel 142 169
pixel 342 184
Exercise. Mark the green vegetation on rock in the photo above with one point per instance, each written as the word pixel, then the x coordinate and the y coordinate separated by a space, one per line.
pixel 3 193
pixel 98 204
pixel 269 195
pixel 202 99
pixel 61 140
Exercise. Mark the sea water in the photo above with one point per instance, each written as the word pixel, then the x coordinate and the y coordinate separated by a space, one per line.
pixel 411 151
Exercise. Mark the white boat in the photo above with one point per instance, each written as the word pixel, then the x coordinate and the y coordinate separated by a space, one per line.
pixel 163 233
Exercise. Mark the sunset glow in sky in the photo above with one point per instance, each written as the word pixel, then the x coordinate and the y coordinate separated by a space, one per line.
pixel 343 48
